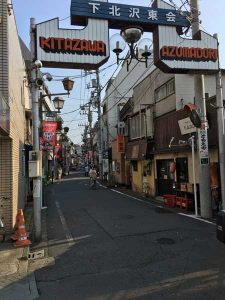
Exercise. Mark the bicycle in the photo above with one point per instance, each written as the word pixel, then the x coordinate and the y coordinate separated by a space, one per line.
pixel 2 231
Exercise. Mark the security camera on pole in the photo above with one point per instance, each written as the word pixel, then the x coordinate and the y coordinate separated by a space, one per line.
pixel 36 148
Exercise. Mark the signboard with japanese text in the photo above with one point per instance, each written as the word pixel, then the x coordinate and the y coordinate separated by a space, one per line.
pixel 50 116
pixel 186 126
pixel 203 146
pixel 119 15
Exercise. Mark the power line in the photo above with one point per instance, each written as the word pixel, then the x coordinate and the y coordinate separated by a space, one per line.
pixel 80 76
pixel 70 112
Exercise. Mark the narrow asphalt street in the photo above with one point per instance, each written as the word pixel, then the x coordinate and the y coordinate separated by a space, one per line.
pixel 108 246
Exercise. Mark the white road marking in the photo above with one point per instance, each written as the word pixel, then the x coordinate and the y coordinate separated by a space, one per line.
pixel 69 237
pixel 182 214
pixel 197 218
pixel 132 197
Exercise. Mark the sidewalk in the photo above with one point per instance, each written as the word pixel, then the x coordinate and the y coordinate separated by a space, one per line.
pixel 15 281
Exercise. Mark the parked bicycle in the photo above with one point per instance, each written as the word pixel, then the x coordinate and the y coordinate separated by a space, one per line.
pixel 2 231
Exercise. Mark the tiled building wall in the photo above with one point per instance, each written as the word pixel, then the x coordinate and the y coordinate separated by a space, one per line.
pixel 14 89
pixel 6 182
pixel 18 180
pixel 17 93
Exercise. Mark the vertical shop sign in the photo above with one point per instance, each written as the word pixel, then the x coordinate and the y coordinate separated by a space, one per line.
pixel 120 143
pixel 203 147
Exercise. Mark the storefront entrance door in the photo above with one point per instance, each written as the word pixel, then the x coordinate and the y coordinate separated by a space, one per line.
pixel 164 177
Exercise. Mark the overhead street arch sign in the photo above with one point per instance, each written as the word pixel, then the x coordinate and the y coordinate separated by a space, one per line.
pixel 88 48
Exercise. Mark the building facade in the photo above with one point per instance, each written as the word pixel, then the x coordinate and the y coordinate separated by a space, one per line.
pixel 157 159
pixel 14 96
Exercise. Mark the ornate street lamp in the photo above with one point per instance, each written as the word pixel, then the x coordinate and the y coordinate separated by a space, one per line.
pixel 58 103
pixel 68 84
pixel 139 49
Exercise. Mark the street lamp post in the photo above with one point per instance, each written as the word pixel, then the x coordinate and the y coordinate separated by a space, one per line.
pixel 192 141
pixel 58 103
pixel 36 82
pixel 139 49
pixel 36 147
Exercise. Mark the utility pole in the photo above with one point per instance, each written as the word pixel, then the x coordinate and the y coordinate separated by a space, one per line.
pixel 220 124
pixel 90 128
pixel 35 115
pixel 204 175
pixel 99 125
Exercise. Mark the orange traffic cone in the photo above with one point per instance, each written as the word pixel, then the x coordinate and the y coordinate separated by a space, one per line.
pixel 19 221
pixel 22 236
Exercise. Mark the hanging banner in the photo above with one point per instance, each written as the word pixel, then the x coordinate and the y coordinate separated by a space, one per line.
pixel 49 133
pixel 58 151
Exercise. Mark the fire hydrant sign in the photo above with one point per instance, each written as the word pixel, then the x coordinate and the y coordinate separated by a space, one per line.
pixel 203 147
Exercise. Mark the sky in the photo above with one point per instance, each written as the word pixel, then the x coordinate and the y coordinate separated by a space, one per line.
pixel 211 16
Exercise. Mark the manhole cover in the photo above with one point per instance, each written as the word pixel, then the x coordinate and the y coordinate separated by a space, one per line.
pixel 166 241
pixel 36 254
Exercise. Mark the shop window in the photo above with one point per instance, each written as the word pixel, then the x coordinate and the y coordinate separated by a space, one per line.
pixel 182 169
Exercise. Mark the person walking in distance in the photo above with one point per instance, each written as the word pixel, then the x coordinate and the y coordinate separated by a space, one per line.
pixel 86 170
pixel 93 177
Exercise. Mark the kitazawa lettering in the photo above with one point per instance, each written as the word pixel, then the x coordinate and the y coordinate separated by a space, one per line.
pixel 62 45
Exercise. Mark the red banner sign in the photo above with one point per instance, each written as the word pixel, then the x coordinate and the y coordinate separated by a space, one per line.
pixel 120 143
pixel 49 132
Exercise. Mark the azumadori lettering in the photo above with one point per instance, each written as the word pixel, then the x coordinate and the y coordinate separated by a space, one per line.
pixel 186 53
pixel 61 45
